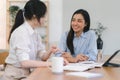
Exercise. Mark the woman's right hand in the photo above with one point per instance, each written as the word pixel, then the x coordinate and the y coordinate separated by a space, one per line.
pixel 69 57
pixel 54 49
pixel 81 57
pixel 66 62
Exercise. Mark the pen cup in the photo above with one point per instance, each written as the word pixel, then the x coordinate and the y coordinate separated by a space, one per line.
pixel 57 64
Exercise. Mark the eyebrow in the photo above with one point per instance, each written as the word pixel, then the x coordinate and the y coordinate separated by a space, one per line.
pixel 77 19
pixel 80 19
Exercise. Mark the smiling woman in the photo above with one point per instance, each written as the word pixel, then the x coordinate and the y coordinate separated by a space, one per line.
pixel 109 16
pixel 79 43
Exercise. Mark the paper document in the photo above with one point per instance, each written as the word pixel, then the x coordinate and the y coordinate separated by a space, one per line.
pixel 91 63
pixel 85 74
pixel 82 66
pixel 76 68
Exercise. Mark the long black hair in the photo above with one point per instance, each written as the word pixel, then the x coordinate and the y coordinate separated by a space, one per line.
pixel 70 36
pixel 32 8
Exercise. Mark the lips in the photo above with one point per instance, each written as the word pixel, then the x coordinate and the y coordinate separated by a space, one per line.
pixel 75 27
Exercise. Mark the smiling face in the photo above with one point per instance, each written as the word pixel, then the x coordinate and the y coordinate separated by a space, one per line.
pixel 78 23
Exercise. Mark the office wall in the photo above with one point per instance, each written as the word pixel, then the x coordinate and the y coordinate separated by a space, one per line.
pixel 55 21
pixel 2 24
pixel 105 11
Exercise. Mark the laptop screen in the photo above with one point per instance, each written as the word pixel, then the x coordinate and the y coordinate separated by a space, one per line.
pixel 114 60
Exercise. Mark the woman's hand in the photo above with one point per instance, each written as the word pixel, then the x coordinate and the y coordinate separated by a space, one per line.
pixel 81 57
pixel 69 57
pixel 72 59
pixel 54 49
pixel 65 62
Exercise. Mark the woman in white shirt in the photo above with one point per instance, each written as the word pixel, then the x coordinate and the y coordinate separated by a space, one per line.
pixel 25 43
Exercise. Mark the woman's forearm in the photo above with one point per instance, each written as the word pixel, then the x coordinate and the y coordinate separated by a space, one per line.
pixel 46 55
pixel 32 63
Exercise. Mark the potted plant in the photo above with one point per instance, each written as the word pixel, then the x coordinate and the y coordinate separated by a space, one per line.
pixel 99 30
pixel 13 11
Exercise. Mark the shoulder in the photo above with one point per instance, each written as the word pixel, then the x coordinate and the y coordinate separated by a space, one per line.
pixel 20 31
pixel 65 34
pixel 90 32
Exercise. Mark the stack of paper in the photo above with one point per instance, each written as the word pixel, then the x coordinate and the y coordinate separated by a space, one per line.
pixel 91 63
pixel 76 68
pixel 82 66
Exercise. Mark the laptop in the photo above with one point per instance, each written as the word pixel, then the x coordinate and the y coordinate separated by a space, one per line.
pixel 111 62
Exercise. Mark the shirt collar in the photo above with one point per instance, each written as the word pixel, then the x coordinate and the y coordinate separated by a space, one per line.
pixel 82 35
pixel 29 27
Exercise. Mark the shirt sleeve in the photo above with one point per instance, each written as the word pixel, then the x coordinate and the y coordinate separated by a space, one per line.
pixel 92 47
pixel 62 45
pixel 21 46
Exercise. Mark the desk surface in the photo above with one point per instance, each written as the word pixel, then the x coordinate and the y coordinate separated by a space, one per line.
pixel 44 73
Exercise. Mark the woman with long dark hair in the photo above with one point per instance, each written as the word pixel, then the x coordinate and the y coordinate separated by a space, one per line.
pixel 25 43
pixel 79 44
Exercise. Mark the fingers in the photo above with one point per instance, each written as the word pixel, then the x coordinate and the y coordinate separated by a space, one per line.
pixel 72 59
pixel 82 57
pixel 85 57
pixel 54 49
pixel 65 62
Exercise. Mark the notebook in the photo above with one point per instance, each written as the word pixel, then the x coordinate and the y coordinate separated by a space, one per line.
pixel 82 66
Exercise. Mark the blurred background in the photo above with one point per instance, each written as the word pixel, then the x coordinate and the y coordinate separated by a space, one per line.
pixel 58 20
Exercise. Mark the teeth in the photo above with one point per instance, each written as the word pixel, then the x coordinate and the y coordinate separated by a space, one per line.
pixel 75 27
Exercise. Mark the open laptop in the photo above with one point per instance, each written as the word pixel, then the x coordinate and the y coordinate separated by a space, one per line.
pixel 111 62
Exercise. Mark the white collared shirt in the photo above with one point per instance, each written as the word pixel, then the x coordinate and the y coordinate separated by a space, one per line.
pixel 25 44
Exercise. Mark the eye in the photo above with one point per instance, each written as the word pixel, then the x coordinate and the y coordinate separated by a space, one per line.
pixel 80 20
pixel 73 19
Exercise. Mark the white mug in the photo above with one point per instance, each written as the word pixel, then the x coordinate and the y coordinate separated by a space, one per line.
pixel 57 64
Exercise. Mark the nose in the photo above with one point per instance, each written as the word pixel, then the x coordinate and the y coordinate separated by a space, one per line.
pixel 75 23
